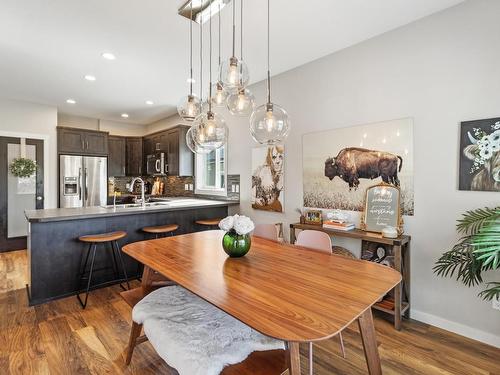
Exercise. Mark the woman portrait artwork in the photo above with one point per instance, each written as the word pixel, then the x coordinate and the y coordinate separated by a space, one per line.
pixel 268 178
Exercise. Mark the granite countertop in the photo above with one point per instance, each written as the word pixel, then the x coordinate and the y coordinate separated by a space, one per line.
pixel 168 204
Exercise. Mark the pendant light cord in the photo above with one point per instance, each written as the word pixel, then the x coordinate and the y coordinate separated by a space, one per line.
pixel 210 62
pixel 268 69
pixel 234 28
pixel 201 58
pixel 191 52
pixel 241 30
pixel 219 23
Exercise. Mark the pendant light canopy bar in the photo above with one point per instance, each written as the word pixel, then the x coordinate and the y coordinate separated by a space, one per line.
pixel 201 9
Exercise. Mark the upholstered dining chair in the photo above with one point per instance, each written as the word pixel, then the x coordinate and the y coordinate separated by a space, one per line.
pixel 267 231
pixel 317 241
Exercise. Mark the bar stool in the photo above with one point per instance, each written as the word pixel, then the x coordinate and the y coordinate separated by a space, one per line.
pixel 209 223
pixel 161 230
pixel 93 240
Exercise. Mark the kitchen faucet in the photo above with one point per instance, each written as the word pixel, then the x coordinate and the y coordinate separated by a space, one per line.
pixel 131 189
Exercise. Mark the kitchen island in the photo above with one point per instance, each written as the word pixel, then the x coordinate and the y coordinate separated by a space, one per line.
pixel 54 251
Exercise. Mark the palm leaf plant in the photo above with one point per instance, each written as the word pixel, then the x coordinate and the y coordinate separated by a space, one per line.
pixel 476 252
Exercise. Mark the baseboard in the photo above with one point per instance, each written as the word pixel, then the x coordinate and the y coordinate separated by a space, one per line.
pixel 457 328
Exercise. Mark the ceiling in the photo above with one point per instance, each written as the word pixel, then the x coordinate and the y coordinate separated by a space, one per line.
pixel 48 46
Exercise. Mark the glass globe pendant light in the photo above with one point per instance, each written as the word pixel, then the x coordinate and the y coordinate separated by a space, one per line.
pixel 189 106
pixel 241 102
pixel 220 95
pixel 192 144
pixel 269 123
pixel 209 130
pixel 233 73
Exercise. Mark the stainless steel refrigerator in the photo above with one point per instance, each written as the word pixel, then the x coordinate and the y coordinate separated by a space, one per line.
pixel 83 181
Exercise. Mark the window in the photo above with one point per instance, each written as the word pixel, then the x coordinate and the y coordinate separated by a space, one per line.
pixel 211 172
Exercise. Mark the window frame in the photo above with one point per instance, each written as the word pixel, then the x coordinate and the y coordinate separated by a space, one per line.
pixel 199 176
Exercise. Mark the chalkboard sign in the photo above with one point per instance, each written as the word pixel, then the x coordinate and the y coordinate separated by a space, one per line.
pixel 382 208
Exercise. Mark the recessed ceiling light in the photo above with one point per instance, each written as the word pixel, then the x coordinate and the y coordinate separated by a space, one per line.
pixel 149 102
pixel 125 115
pixel 71 101
pixel 108 56
pixel 90 77
pixel 191 80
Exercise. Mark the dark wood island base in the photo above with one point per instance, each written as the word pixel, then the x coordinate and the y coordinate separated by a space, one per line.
pixel 54 252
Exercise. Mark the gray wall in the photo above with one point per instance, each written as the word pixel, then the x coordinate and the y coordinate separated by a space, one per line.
pixel 439 70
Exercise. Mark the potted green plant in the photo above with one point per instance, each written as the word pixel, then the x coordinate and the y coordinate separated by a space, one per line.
pixel 476 252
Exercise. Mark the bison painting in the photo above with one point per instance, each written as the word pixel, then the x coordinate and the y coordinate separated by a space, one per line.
pixel 353 163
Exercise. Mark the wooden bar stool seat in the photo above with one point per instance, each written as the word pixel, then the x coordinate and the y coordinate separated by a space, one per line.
pixel 104 237
pixel 161 229
pixel 207 224
pixel 93 240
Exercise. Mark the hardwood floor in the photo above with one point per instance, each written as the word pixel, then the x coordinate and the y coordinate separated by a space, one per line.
pixel 61 338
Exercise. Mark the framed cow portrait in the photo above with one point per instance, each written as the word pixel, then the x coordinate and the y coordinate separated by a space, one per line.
pixel 480 155
pixel 340 164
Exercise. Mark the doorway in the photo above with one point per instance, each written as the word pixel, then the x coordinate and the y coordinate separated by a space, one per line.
pixel 18 193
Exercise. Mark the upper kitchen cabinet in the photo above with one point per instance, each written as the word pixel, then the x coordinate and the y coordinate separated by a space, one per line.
pixel 180 158
pixel 117 156
pixel 81 142
pixel 173 143
pixel 133 156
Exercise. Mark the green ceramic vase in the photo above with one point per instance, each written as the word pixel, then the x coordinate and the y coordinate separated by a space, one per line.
pixel 236 245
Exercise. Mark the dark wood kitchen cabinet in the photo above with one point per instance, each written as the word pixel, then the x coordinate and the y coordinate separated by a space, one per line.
pixel 173 143
pixel 134 156
pixel 180 158
pixel 117 156
pixel 81 141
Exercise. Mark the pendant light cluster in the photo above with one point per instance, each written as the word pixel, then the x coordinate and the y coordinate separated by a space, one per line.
pixel 269 123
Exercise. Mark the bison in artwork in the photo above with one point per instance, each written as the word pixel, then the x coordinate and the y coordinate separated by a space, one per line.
pixel 353 163
pixel 487 159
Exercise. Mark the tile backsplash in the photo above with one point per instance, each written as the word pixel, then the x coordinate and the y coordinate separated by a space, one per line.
pixel 173 186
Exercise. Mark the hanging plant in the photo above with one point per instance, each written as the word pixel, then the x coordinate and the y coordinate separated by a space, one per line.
pixel 22 167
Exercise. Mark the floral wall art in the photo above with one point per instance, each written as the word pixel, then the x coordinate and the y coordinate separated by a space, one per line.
pixel 340 164
pixel 480 155
pixel 268 178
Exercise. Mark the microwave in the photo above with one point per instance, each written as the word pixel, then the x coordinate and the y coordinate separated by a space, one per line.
pixel 156 164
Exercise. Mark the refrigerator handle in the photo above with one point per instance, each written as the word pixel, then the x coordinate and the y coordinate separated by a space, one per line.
pixel 86 187
pixel 80 183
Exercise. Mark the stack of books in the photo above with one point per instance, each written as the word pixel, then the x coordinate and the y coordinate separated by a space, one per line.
pixel 338 225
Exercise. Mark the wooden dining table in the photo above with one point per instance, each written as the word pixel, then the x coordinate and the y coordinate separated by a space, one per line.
pixel 283 291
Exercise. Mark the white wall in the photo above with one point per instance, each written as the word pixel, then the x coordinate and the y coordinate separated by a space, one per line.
pixel 113 127
pixel 166 123
pixel 439 70
pixel 28 120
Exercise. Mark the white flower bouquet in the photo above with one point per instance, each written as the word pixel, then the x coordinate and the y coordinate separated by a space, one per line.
pixel 487 145
pixel 240 224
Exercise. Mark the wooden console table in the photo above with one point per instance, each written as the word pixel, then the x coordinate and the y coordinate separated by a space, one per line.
pixel 400 249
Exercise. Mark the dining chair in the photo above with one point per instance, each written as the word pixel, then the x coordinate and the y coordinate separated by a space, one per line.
pixel 267 231
pixel 317 241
